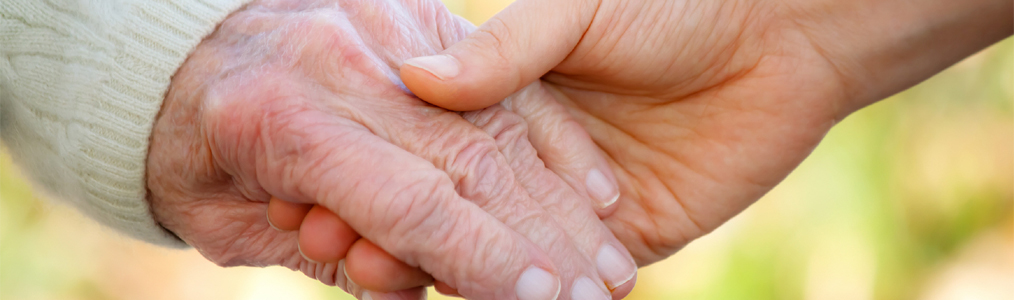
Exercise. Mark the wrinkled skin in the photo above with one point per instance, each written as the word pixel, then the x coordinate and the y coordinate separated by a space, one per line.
pixel 697 126
pixel 300 100
pixel 697 137
pixel 704 106
pixel 726 101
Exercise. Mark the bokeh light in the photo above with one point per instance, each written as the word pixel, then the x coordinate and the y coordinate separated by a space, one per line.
pixel 911 198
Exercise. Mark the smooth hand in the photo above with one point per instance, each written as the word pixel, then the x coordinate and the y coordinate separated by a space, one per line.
pixel 704 106
pixel 301 101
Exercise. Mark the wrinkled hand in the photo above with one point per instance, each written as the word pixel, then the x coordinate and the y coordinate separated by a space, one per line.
pixel 323 236
pixel 300 101
pixel 703 106
pixel 699 118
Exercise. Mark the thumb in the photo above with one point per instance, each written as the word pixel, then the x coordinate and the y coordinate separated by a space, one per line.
pixel 511 50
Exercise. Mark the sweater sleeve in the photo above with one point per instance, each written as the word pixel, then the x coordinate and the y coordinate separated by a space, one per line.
pixel 81 82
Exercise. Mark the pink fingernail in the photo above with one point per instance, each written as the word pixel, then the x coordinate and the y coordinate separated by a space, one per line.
pixel 600 188
pixel 614 267
pixel 537 284
pixel 585 288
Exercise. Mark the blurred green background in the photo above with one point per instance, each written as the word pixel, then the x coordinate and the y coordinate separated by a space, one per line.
pixel 911 198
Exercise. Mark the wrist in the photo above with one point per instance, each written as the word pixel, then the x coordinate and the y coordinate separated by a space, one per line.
pixel 881 47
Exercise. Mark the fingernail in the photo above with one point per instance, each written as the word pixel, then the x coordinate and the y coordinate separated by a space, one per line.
pixel 300 248
pixel 585 288
pixel 537 284
pixel 601 188
pixel 441 66
pixel 344 284
pixel 348 280
pixel 272 224
pixel 367 296
pixel 615 268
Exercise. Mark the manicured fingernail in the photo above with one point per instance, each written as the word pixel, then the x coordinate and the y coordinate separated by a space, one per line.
pixel 614 267
pixel 300 248
pixel 441 66
pixel 585 288
pixel 601 188
pixel 537 284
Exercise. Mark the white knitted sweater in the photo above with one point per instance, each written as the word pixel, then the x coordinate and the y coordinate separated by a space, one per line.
pixel 81 82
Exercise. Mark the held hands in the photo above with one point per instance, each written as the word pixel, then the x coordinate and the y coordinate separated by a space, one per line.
pixel 700 106
pixel 300 101
pixel 703 106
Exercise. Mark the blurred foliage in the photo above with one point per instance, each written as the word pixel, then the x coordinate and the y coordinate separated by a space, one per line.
pixel 911 198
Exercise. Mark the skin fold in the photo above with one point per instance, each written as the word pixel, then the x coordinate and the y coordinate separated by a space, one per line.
pixel 301 101
pixel 702 106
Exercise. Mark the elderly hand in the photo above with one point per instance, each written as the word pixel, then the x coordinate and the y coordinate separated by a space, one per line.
pixel 323 236
pixel 300 101
pixel 703 106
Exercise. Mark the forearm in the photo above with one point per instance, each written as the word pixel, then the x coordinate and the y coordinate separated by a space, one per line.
pixel 881 47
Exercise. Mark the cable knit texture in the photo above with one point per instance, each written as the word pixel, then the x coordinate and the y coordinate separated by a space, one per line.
pixel 81 82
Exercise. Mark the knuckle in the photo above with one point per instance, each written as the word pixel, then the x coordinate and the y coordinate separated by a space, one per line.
pixel 481 171
pixel 496 34
pixel 506 128
pixel 511 134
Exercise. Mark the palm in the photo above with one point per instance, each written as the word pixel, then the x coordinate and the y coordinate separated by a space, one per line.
pixel 723 104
